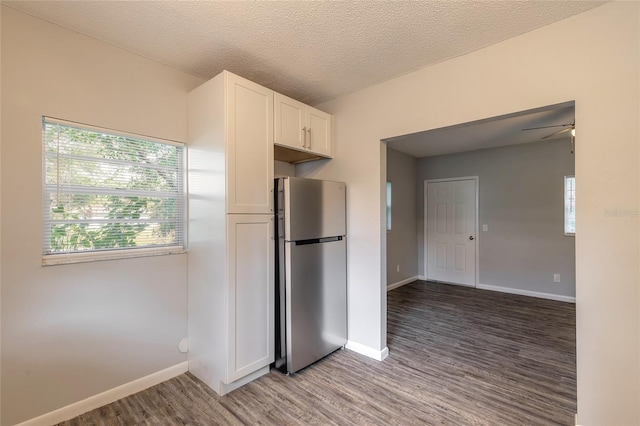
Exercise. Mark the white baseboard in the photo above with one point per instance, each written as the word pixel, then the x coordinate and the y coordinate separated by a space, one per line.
pixel 422 277
pixel 538 294
pixel 450 283
pixel 107 397
pixel 367 351
pixel 401 283
pixel 384 353
pixel 226 388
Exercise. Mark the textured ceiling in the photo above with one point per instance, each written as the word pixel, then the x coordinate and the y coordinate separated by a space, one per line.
pixel 310 50
pixel 490 133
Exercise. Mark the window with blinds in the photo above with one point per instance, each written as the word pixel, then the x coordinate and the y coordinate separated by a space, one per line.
pixel 569 205
pixel 388 206
pixel 108 194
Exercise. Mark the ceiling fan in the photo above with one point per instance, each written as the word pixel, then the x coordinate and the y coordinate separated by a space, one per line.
pixel 566 128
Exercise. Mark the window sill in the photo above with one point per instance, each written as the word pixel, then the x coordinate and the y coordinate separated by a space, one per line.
pixel 569 234
pixel 97 256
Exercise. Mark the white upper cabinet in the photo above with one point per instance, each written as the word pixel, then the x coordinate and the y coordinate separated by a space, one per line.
pixel 318 131
pixel 290 124
pixel 302 128
pixel 249 133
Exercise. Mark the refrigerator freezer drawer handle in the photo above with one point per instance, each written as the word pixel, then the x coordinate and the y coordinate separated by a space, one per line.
pixel 318 240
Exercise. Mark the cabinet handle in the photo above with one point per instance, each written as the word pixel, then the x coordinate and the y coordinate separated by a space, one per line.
pixel 309 130
pixel 304 137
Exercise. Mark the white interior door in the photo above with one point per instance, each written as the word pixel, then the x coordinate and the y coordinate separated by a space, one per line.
pixel 451 231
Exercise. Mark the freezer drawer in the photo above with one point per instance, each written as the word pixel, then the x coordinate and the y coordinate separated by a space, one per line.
pixel 316 301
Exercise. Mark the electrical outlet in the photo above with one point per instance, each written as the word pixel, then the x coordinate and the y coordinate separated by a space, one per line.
pixel 397 268
pixel 556 278
pixel 485 228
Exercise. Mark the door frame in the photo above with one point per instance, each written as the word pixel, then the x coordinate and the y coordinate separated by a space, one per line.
pixel 476 179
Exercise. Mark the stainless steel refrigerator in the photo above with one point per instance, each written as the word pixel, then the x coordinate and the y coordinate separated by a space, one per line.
pixel 311 270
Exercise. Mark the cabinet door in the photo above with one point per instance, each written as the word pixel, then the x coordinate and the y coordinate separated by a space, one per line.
pixel 249 132
pixel 290 127
pixel 319 132
pixel 250 266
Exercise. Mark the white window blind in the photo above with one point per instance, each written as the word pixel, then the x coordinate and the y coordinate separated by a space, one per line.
pixel 388 206
pixel 106 191
pixel 569 205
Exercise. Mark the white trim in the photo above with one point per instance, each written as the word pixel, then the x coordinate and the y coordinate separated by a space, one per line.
pixel 448 283
pixel 403 282
pixel 424 239
pixel 384 353
pixel 96 256
pixel 107 397
pixel 226 388
pixel 367 351
pixel 530 293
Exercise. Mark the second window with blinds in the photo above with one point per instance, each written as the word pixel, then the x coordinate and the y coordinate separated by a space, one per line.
pixel 570 205
pixel 109 194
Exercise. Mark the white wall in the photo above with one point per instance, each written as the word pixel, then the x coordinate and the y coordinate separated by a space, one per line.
pixel 521 199
pixel 72 331
pixel 402 240
pixel 359 165
pixel 0 217
pixel 591 58
pixel 280 168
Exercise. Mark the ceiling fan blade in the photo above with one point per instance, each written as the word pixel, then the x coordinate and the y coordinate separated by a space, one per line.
pixel 547 127
pixel 558 132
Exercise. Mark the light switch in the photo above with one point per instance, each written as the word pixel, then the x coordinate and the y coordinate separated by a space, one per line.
pixel 485 227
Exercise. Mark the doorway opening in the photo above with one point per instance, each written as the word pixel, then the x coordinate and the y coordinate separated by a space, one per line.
pixel 487 205
pixel 519 244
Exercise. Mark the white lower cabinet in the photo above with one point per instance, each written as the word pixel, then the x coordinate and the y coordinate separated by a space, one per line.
pixel 250 263
pixel 231 299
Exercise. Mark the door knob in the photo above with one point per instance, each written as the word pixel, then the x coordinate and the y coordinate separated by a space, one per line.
pixel 471 238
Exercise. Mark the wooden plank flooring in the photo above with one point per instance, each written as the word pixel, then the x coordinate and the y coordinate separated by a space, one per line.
pixel 458 356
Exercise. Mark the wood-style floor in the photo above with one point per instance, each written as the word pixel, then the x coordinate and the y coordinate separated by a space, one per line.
pixel 458 356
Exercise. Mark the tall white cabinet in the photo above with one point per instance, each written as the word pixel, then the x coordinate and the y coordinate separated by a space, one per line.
pixel 231 246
